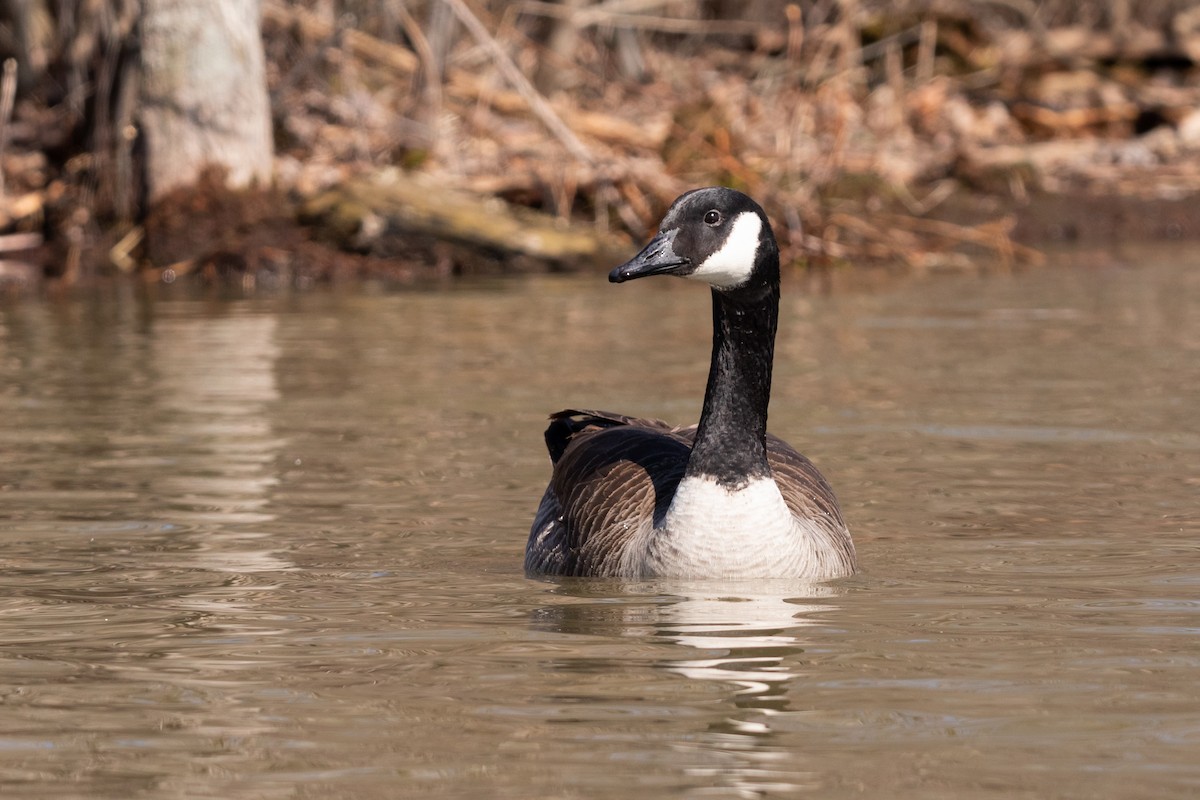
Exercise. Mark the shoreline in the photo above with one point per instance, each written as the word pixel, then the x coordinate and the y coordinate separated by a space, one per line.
pixel 937 137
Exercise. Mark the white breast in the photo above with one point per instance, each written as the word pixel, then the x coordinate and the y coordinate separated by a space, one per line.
pixel 711 531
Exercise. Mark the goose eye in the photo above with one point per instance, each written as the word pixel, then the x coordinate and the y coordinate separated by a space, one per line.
pixel 712 217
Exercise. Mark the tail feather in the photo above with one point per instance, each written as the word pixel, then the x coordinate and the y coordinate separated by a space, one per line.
pixel 566 424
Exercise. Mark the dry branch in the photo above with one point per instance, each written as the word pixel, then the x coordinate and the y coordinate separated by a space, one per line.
pixel 600 15
pixel 359 44
pixel 8 94
pixel 563 121
pixel 512 73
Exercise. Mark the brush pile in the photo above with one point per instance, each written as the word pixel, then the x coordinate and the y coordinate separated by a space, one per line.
pixel 910 132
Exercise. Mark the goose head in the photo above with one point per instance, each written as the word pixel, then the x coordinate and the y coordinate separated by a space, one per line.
pixel 715 235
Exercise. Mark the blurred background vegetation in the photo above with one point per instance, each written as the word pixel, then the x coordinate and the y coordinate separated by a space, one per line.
pixel 408 139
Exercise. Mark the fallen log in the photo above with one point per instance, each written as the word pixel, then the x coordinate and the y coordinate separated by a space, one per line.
pixel 393 213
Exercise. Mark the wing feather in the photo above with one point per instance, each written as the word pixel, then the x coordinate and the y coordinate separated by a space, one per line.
pixel 614 475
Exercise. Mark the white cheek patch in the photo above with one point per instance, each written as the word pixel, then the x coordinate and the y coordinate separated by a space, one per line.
pixel 731 266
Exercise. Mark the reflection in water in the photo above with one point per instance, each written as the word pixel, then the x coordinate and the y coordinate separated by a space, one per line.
pixel 217 379
pixel 133 538
pixel 217 386
pixel 740 635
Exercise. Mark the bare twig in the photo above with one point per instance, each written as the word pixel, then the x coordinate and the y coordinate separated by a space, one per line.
pixel 926 50
pixel 512 73
pixel 885 45
pixel 600 15
pixel 432 66
pixel 121 253
pixel 795 34
pixel 8 95
pixel 13 242
pixel 360 44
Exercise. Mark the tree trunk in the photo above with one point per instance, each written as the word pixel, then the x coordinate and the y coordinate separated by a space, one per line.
pixel 203 94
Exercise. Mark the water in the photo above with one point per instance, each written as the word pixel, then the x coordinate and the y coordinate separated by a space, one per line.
pixel 272 548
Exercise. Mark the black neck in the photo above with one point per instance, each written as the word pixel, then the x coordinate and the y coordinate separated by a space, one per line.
pixel 731 441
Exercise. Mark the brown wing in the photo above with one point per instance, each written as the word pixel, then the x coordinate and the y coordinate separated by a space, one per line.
pixel 809 496
pixel 803 487
pixel 613 477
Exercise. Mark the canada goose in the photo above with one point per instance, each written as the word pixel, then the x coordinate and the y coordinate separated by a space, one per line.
pixel 638 498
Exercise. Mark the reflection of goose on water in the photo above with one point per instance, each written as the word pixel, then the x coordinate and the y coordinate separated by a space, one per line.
pixel 752 638
pixel 722 621
pixel 742 637
pixel 748 636
pixel 638 498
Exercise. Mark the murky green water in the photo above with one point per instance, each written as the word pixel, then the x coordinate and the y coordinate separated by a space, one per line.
pixel 272 548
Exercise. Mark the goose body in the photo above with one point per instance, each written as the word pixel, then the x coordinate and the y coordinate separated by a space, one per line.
pixel 638 498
